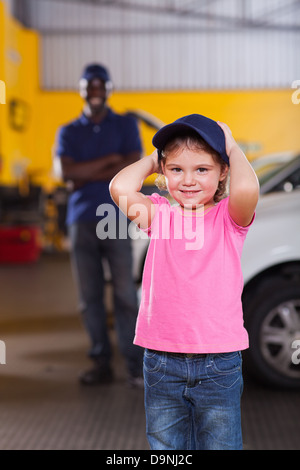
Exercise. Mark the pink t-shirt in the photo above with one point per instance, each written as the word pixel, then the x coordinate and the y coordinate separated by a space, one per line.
pixel 192 282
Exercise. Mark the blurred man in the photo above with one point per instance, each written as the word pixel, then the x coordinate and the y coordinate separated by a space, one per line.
pixel 92 149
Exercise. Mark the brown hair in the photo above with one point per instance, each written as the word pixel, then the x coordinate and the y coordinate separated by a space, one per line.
pixel 192 141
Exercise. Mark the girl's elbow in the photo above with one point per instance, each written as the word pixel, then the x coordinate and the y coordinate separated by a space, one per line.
pixel 110 187
pixel 114 190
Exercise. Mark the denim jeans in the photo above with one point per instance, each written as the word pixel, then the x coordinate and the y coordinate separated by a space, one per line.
pixel 87 253
pixel 193 402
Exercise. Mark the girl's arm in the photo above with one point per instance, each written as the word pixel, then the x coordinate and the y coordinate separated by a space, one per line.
pixel 125 190
pixel 244 186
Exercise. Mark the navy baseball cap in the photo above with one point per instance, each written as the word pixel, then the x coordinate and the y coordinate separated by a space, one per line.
pixel 205 127
pixel 96 71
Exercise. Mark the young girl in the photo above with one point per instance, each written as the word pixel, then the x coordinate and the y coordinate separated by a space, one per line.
pixel 190 319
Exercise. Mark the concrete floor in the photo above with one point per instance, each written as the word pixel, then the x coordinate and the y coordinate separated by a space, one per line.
pixel 42 405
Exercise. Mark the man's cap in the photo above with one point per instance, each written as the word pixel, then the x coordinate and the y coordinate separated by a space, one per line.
pixel 205 127
pixel 96 71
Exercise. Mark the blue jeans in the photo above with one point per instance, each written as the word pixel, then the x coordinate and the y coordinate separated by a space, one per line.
pixel 87 253
pixel 193 402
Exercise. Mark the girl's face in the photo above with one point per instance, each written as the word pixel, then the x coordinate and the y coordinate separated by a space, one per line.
pixel 192 177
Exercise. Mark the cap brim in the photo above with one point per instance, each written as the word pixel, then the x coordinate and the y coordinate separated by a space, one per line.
pixel 167 132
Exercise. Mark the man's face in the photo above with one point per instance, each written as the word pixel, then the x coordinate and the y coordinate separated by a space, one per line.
pixel 95 94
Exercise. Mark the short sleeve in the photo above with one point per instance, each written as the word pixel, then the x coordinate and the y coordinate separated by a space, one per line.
pixel 158 201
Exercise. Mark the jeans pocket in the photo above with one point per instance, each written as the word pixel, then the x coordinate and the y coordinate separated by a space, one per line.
pixel 225 369
pixel 154 366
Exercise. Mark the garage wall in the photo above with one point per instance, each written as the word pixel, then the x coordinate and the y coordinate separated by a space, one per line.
pixel 223 44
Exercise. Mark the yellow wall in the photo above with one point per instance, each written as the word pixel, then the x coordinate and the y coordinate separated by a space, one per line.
pixel 2 106
pixel 19 71
pixel 263 121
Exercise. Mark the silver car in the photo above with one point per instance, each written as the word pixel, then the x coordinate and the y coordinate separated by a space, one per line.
pixel 271 268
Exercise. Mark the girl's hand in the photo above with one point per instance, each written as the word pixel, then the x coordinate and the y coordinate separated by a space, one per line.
pixel 229 140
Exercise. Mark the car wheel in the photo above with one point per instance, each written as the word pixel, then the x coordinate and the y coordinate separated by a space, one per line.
pixel 273 324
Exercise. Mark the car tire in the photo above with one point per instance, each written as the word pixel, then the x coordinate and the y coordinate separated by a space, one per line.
pixel 272 319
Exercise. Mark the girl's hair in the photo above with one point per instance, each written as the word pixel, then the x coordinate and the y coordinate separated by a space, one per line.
pixel 191 141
